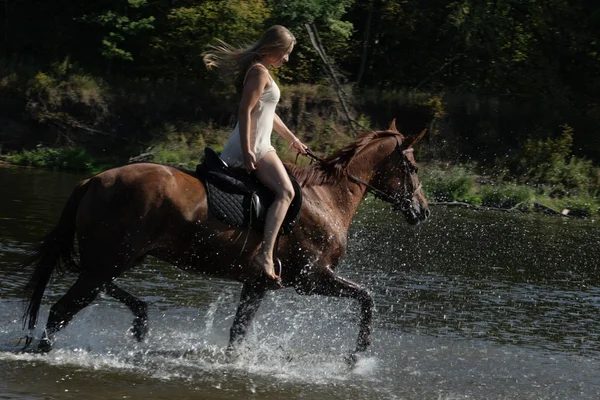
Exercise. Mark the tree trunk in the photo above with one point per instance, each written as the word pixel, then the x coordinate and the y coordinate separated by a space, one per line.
pixel 363 61
pixel 313 33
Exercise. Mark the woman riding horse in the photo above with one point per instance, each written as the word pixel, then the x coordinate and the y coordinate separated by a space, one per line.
pixel 124 214
pixel 249 144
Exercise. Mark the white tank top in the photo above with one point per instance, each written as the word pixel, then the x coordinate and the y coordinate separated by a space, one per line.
pixel 261 127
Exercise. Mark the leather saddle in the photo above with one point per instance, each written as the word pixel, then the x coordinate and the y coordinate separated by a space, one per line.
pixel 237 198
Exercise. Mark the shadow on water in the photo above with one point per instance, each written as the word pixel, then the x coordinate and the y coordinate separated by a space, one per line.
pixel 469 305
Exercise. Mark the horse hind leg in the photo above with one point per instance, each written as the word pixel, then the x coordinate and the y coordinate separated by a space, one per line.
pixel 91 281
pixel 139 327
pixel 82 293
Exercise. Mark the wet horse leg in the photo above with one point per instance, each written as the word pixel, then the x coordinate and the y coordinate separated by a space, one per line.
pixel 82 293
pixel 329 284
pixel 99 267
pixel 250 300
pixel 139 327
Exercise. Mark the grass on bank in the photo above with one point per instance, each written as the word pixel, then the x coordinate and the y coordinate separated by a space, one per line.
pixel 70 158
pixel 460 183
pixel 442 183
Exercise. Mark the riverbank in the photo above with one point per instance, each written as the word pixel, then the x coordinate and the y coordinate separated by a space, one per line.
pixel 70 121
pixel 444 185
pixel 474 187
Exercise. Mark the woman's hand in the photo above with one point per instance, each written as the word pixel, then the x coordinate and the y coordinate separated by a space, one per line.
pixel 250 161
pixel 299 146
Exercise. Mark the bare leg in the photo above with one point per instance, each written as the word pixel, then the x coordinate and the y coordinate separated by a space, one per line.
pixel 328 284
pixel 271 172
pixel 249 303
pixel 139 328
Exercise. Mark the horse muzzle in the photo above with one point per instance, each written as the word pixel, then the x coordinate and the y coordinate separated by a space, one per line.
pixel 414 213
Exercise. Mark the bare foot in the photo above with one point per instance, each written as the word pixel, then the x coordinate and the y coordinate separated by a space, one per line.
pixel 267 265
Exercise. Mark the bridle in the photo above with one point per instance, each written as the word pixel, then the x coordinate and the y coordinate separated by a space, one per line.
pixel 402 203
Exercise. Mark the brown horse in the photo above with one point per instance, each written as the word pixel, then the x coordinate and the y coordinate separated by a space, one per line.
pixel 123 214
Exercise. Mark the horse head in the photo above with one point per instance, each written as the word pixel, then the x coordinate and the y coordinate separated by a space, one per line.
pixel 396 177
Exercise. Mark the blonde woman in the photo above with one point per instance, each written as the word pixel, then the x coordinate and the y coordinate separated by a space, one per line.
pixel 249 143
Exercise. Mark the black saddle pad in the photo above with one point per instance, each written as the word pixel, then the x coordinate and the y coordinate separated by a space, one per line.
pixel 238 198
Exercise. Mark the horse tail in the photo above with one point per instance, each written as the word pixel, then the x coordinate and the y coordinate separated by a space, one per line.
pixel 54 256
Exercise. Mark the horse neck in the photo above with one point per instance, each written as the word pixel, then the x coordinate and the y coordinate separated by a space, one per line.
pixel 348 193
pixel 365 164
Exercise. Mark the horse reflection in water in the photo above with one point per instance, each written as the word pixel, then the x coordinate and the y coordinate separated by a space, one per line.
pixel 124 214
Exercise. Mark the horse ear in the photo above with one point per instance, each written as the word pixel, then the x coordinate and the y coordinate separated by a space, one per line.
pixel 414 140
pixel 393 126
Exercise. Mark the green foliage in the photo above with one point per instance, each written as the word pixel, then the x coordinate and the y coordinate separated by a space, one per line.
pixel 505 196
pixel 582 206
pixel 550 150
pixel 550 162
pixel 189 29
pixel 117 26
pixel 311 112
pixel 448 184
pixel 328 19
pixel 487 79
pixel 576 175
pixel 183 146
pixel 364 121
pixel 9 81
pixel 71 158
pixel 233 21
pixel 303 11
pixel 69 100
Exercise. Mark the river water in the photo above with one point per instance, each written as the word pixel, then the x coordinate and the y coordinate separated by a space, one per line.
pixel 470 305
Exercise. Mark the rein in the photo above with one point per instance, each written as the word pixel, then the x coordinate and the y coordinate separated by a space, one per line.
pixel 403 204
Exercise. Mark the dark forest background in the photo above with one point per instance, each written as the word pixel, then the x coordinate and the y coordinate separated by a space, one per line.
pixel 507 85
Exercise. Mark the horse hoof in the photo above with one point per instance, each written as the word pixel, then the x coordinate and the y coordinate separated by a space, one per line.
pixel 44 346
pixel 351 359
pixel 139 329
pixel 354 358
pixel 232 354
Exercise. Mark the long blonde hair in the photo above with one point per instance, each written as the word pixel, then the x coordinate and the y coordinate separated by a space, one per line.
pixel 232 62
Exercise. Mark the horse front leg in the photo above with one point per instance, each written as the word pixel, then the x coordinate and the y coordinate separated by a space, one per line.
pixel 327 283
pixel 250 301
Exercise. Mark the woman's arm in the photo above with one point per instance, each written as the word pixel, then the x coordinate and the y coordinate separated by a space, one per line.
pixel 283 131
pixel 255 84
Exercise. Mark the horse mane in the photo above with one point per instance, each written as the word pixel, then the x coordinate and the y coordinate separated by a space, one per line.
pixel 335 167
